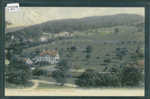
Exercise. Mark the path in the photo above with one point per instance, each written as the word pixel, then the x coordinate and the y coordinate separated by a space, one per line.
pixel 36 84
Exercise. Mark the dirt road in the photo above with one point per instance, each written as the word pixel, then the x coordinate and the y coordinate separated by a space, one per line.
pixel 36 84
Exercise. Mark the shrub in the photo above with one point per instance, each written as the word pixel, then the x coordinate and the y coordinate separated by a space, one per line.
pixel 59 76
pixel 108 80
pixel 37 72
pixel 18 73
pixel 87 79
pixel 92 78
pixel 130 76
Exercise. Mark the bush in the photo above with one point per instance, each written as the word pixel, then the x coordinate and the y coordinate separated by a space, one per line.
pixel 130 76
pixel 59 76
pixel 92 78
pixel 37 72
pixel 87 79
pixel 18 73
pixel 108 80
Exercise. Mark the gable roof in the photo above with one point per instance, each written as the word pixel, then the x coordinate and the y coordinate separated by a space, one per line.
pixel 49 52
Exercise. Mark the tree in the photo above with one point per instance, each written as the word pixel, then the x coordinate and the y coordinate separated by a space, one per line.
pixel 88 49
pixel 63 65
pixel 18 72
pixel 37 72
pixel 130 76
pixel 88 52
pixel 108 80
pixel 73 48
pixel 61 72
pixel 120 52
pixel 59 76
pixel 87 78
pixel 140 52
pixel 107 60
pixel 116 30
pixel 92 78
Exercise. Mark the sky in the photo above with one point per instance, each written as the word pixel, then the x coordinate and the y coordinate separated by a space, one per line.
pixel 35 15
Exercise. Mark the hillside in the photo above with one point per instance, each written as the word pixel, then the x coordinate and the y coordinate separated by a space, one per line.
pixel 71 25
pixel 28 16
pixel 97 42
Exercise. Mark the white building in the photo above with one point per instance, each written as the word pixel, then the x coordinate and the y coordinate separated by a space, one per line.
pixel 50 56
pixel 64 34
pixel 29 61
pixel 43 39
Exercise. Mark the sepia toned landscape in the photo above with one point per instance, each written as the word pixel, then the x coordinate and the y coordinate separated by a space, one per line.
pixel 74 52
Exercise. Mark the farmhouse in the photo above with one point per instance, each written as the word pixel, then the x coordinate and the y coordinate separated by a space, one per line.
pixel 28 61
pixel 64 34
pixel 43 39
pixel 48 56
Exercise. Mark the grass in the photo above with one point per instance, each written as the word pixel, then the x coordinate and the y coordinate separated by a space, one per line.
pixel 99 49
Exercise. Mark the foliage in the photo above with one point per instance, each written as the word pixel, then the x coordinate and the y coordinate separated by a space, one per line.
pixel 18 73
pixel 88 49
pixel 37 72
pixel 121 52
pixel 60 74
pixel 130 76
pixel 92 78
pixel 116 30
pixel 63 65
pixel 71 25
pixel 108 79
pixel 127 76
pixel 92 39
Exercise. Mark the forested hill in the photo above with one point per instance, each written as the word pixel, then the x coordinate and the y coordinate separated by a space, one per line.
pixel 96 42
pixel 71 25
